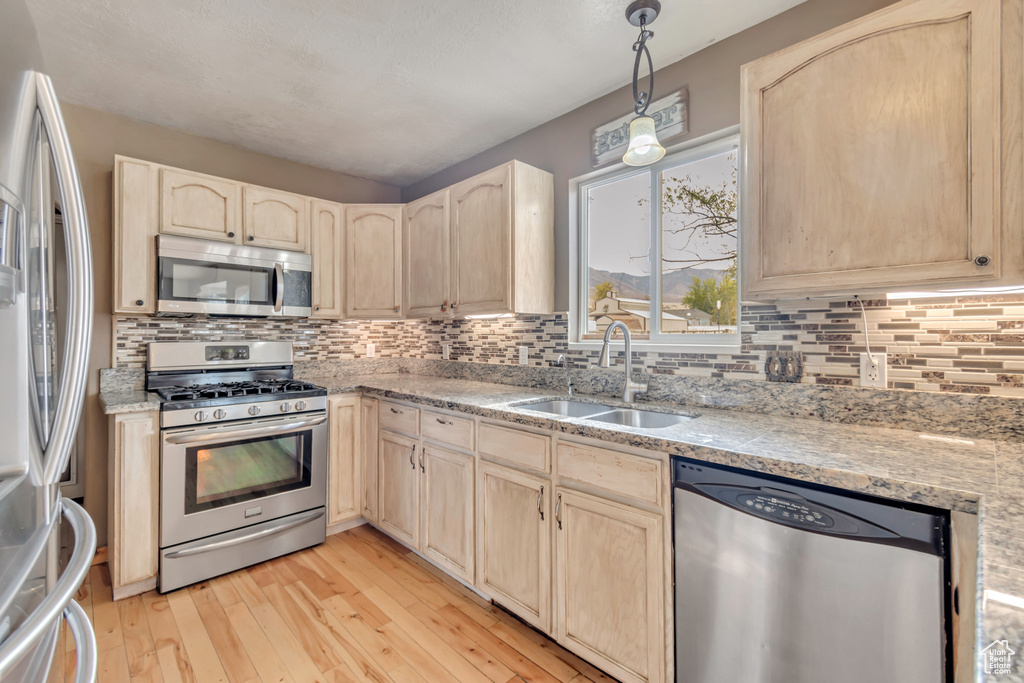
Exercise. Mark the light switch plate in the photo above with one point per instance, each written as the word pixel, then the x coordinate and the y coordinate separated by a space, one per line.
pixel 446 351
pixel 874 370
pixel 371 350
pixel 524 355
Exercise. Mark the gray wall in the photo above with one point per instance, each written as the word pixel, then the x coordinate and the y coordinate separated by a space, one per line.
pixel 562 145
pixel 95 138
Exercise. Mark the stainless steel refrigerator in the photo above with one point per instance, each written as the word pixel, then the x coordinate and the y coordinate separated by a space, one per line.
pixel 44 257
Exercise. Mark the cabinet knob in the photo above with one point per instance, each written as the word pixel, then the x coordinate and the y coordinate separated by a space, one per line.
pixel 251 238
pixel 231 234
pixel 396 309
pixel 138 302
pixel 982 261
pixel 455 305
pixel 444 307
pixel 316 308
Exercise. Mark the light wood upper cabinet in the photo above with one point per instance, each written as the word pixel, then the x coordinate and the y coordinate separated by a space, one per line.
pixel 447 509
pixel 872 155
pixel 134 483
pixel 368 415
pixel 502 225
pixel 373 260
pixel 135 227
pixel 344 479
pixel 427 256
pixel 275 219
pixel 514 542
pixel 328 250
pixel 609 585
pixel 198 205
pixel 398 503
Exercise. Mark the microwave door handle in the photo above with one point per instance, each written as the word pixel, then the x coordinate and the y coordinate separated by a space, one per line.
pixel 278 287
pixel 80 285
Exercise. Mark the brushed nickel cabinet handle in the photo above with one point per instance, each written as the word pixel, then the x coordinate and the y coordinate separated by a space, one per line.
pixel 443 422
pixel 540 503
pixel 397 412
pixel 558 511
pixel 422 467
pixel 412 456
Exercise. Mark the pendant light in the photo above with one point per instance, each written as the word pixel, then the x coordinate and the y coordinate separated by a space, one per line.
pixel 644 147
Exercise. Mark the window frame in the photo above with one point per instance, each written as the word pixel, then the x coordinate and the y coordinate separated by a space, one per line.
pixel 694 150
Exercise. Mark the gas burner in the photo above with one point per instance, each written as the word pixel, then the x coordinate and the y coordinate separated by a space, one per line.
pixel 234 389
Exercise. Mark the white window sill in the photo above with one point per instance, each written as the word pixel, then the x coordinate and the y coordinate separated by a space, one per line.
pixel 655 347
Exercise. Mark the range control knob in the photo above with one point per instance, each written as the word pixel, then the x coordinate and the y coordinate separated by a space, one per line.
pixel 285 407
pixel 300 405
pixel 254 410
pixel 201 416
pixel 219 414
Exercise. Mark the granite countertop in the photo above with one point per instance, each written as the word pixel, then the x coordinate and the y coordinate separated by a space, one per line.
pixel 970 475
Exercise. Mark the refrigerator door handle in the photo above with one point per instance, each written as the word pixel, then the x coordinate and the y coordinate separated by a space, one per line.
pixel 80 286
pixel 85 642
pixel 56 601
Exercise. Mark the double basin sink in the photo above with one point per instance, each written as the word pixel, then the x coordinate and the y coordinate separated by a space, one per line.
pixel 628 417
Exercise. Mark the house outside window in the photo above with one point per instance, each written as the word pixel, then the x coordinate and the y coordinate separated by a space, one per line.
pixel 669 274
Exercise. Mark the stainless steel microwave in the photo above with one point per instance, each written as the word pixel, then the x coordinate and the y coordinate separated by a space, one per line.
pixel 215 278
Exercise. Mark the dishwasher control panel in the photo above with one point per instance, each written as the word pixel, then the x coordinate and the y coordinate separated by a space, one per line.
pixel 785 510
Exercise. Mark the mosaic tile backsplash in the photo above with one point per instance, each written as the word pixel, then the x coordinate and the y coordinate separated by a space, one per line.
pixel 966 344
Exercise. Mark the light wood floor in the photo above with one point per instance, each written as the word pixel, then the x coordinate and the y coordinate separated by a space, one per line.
pixel 360 607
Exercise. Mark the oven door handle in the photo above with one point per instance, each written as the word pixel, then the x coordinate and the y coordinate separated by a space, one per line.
pixel 271 529
pixel 278 287
pixel 244 433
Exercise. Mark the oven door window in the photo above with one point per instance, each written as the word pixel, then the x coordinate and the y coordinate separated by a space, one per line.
pixel 185 280
pixel 219 475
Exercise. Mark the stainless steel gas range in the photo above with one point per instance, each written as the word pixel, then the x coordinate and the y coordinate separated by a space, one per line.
pixel 243 457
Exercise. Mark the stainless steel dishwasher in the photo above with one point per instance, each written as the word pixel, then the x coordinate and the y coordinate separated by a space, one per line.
pixel 782 582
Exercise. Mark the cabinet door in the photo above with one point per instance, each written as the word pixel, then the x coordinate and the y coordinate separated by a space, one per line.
pixel 345 483
pixel 135 492
pixel 610 585
pixel 369 434
pixel 428 250
pixel 481 243
pixel 197 205
pixel 135 226
pixel 448 523
pixel 328 249
pixel 514 542
pixel 373 260
pixel 872 155
pixel 398 503
pixel 275 219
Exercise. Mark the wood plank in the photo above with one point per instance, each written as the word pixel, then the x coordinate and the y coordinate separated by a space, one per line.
pixel 364 633
pixel 374 573
pixel 319 649
pixel 310 578
pixel 247 588
pixel 199 647
pixel 458 595
pixel 369 611
pixel 398 569
pixel 112 666
pixel 340 560
pixel 138 640
pixel 417 657
pixel 489 665
pixel 286 643
pixel 227 643
pixel 106 621
pixel 170 651
pixel 441 651
pixel 505 653
pixel 543 641
pixel 541 655
pixel 269 665
pixel 405 674
pixel 225 590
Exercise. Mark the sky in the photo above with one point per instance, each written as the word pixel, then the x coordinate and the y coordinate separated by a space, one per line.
pixel 619 227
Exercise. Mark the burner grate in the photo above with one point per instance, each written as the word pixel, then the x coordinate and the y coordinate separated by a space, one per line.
pixel 233 389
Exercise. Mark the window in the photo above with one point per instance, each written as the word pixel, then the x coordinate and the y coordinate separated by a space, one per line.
pixel 669 274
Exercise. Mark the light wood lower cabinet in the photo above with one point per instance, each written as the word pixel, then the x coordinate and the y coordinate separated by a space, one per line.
pixel 446 496
pixel 368 418
pixel 134 495
pixel 398 502
pixel 513 532
pixel 345 483
pixel 610 585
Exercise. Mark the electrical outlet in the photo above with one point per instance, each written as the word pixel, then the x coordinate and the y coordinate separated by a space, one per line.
pixel 874 370
pixel 524 355
pixel 446 351
pixel 371 350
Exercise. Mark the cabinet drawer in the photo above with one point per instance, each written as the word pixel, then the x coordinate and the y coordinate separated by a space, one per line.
pixel 457 431
pixel 621 473
pixel 399 418
pixel 516 446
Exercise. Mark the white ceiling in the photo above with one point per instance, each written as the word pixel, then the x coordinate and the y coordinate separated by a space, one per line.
pixel 391 90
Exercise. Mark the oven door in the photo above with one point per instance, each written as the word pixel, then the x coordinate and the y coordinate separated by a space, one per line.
pixel 225 477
